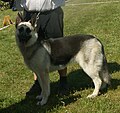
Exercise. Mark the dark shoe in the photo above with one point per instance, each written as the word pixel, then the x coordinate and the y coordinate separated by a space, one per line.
pixel 35 89
pixel 63 86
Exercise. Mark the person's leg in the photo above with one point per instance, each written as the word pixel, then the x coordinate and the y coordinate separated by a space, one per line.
pixel 35 88
pixel 63 87
pixel 11 3
pixel 55 26
pixel 54 29
pixel 14 6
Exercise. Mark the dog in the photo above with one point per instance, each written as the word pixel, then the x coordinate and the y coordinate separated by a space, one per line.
pixel 7 21
pixel 44 56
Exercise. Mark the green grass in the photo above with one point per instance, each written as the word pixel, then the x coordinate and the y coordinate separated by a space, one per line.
pixel 102 21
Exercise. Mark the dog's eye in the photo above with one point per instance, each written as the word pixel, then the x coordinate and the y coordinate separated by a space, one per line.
pixel 28 30
pixel 21 29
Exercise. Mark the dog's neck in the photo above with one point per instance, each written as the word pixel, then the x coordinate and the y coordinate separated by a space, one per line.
pixel 32 40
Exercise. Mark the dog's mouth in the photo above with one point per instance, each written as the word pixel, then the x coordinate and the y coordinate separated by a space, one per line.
pixel 24 33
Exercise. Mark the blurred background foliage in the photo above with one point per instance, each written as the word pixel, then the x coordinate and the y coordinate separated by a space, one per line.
pixel 5 4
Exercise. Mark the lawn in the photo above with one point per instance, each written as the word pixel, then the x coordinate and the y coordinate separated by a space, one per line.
pixel 100 20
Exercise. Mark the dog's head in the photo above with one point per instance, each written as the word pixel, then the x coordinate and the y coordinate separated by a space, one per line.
pixel 25 31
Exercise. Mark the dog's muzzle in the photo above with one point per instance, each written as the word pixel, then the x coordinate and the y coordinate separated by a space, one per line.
pixel 24 33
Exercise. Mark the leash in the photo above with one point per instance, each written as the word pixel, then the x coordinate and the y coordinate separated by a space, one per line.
pixel 37 17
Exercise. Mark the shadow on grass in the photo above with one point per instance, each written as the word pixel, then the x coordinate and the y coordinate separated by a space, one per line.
pixel 113 68
pixel 78 81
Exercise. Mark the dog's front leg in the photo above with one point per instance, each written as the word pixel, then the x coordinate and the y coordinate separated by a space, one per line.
pixel 43 78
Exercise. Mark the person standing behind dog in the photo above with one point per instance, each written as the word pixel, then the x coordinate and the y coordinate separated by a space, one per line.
pixel 49 25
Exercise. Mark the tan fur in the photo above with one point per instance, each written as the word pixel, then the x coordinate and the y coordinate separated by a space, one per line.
pixel 7 21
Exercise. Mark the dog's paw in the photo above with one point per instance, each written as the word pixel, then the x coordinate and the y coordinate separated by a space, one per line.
pixel 42 102
pixel 38 103
pixel 39 97
pixel 91 96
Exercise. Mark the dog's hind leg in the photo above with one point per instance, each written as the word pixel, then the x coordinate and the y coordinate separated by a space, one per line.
pixel 93 70
pixel 45 86
pixel 90 58
pixel 93 73
pixel 97 83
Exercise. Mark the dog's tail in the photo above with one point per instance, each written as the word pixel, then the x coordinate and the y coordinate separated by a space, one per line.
pixel 106 77
pixel 105 73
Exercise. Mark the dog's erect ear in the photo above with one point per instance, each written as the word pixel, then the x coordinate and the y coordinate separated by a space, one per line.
pixel 19 19
pixel 33 20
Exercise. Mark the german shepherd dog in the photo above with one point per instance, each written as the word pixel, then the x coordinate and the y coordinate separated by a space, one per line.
pixel 44 56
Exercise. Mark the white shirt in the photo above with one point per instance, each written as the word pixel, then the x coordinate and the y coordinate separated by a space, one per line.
pixel 38 5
